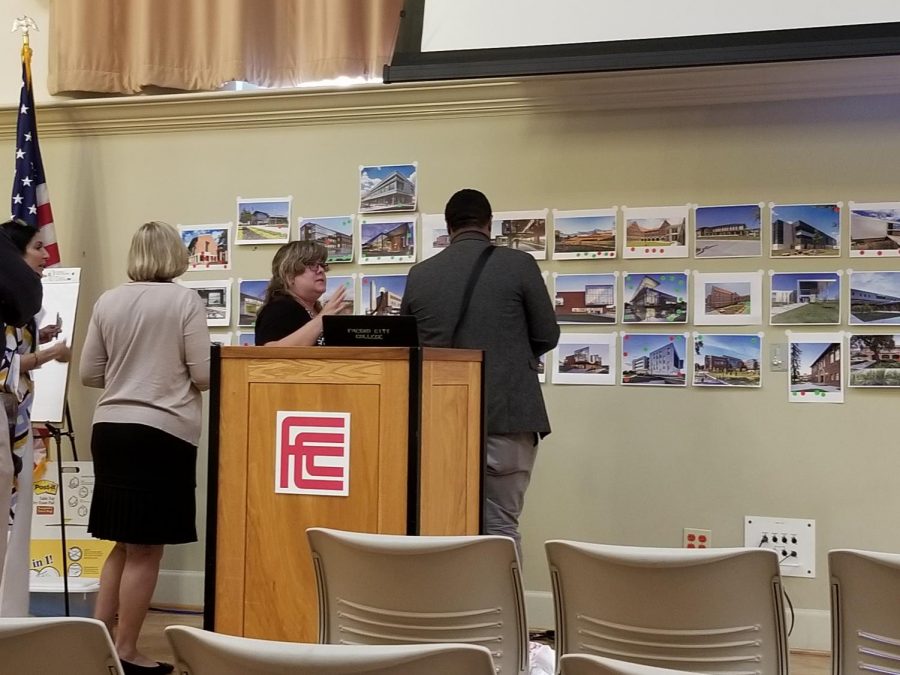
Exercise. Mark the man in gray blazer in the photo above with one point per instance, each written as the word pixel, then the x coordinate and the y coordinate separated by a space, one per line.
pixel 511 318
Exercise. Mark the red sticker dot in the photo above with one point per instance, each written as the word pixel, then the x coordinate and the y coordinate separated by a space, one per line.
pixel 633 248
pixel 624 353
pixel 879 252
pixel 646 250
pixel 803 393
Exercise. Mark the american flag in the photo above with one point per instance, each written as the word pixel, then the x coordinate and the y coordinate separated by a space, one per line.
pixel 30 200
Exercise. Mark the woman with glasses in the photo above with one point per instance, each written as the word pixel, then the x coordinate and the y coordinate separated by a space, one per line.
pixel 291 315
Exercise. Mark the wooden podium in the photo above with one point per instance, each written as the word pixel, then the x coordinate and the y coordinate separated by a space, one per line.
pixel 416 440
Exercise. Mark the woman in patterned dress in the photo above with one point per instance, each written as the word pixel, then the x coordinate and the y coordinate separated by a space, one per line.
pixel 20 357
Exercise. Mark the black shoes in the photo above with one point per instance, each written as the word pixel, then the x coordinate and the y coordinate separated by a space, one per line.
pixel 161 668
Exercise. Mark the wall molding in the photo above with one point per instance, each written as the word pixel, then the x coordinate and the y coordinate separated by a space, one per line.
pixel 588 92
pixel 179 588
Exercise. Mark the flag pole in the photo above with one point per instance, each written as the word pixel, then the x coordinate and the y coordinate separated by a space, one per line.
pixel 25 24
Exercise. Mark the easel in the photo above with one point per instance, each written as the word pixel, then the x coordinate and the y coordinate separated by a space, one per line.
pixel 57 433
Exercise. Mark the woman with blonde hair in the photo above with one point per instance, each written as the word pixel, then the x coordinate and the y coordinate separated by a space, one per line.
pixel 291 315
pixel 148 348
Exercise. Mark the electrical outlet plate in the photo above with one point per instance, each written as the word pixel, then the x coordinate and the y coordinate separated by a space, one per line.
pixel 793 539
pixel 695 538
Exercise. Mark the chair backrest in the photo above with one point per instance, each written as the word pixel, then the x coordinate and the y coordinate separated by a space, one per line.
pixel 865 611
pixel 584 664
pixel 704 610
pixel 387 589
pixel 199 652
pixel 74 646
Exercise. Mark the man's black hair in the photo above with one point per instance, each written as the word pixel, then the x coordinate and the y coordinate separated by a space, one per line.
pixel 467 208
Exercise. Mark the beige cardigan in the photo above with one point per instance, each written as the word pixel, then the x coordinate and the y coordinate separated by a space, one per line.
pixel 148 348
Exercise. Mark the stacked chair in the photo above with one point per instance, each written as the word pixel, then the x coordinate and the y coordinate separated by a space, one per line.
pixel 386 590
pixel 710 610
pixel 865 611
pixel 73 646
pixel 199 652
pixel 582 664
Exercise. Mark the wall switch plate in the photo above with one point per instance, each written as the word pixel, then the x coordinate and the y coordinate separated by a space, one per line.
pixel 695 538
pixel 778 357
pixel 793 539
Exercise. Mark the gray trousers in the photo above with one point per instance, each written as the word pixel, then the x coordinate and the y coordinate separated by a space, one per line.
pixel 510 459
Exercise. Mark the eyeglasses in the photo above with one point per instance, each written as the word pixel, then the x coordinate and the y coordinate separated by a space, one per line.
pixel 315 267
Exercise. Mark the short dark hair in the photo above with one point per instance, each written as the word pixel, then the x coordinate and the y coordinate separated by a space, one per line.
pixel 20 233
pixel 467 208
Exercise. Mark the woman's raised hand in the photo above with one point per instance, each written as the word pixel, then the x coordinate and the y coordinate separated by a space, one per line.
pixel 336 302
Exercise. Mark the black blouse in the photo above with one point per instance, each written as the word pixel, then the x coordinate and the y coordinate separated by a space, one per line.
pixel 279 318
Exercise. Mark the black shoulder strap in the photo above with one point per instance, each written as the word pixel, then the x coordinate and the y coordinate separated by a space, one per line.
pixel 470 288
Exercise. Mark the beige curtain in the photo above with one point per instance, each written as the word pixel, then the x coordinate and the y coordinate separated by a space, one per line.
pixel 123 46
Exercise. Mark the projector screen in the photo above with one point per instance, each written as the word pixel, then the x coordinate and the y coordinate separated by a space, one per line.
pixel 481 24
pixel 453 39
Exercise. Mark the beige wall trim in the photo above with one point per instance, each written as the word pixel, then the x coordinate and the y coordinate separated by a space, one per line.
pixel 179 588
pixel 812 627
pixel 598 91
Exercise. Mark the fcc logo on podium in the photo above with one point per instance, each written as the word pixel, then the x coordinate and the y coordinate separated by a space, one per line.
pixel 312 453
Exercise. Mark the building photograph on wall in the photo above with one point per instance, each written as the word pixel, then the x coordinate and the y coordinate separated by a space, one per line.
pixel 335 233
pixel 585 358
pixel 348 283
pixel 805 230
pixel 251 295
pixel 521 230
pixel 221 339
pixel 728 298
pixel 433 234
pixel 655 298
pixel 654 359
pixel 874 360
pixel 874 229
pixel 874 298
pixel 583 235
pixel 815 367
pixel 263 221
pixel 585 298
pixel 209 246
pixel 216 296
pixel 382 294
pixel 727 359
pixel 805 298
pixel 727 231
pixel 656 232
pixel 387 188
pixel 387 240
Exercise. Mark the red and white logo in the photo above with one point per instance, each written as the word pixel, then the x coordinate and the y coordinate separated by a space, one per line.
pixel 312 453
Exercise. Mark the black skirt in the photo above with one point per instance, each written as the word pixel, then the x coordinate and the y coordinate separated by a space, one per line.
pixel 144 485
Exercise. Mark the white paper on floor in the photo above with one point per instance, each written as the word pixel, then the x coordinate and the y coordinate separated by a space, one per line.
pixel 541 659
